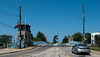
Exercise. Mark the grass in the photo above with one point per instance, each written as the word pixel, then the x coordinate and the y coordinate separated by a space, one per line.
pixel 95 48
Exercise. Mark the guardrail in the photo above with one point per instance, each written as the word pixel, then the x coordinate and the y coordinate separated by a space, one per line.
pixel 39 42
pixel 23 45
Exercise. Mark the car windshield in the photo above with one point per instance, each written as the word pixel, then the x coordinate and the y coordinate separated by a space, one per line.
pixel 82 45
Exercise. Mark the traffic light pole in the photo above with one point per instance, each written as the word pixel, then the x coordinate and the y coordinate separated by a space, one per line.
pixel 20 27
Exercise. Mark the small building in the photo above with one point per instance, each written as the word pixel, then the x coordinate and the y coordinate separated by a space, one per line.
pixel 93 37
pixel 70 38
pixel 25 34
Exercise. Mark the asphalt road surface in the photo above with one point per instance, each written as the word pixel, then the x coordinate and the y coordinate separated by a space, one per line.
pixel 33 51
pixel 55 50
pixel 68 52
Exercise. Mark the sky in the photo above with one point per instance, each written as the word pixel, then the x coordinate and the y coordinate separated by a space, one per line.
pixel 50 16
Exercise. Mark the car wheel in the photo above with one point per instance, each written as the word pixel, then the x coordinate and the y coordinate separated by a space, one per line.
pixel 88 53
pixel 75 52
pixel 72 52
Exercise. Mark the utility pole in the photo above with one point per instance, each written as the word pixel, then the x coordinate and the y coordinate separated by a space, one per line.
pixel 83 22
pixel 20 27
pixel 25 22
pixel 83 18
pixel 25 32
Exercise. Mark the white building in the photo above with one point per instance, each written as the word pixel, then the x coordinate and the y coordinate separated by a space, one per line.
pixel 93 37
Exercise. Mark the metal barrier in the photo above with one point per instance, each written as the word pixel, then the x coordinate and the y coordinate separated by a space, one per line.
pixel 39 42
pixel 16 45
pixel 11 46
pixel 23 44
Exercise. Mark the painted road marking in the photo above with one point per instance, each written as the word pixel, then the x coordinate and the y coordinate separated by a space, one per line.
pixel 25 55
pixel 62 52
pixel 54 48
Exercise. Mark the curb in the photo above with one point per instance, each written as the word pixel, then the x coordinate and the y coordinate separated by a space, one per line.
pixel 18 50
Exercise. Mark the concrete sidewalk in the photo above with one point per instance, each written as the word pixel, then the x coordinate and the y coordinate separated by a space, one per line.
pixel 7 50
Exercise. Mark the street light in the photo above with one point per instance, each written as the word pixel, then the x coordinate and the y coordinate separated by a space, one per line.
pixel 83 22
pixel 83 27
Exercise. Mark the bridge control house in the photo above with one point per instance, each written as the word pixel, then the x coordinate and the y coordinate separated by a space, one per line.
pixel 25 34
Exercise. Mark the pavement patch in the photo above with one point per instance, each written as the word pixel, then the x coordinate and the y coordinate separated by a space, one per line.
pixel 62 52
pixel 26 55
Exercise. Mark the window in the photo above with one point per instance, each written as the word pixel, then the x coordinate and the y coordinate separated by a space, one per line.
pixel 22 36
pixel 82 45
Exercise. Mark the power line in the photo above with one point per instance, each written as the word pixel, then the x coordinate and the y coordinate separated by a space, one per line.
pixel 3 12
pixel 6 25
pixel 8 13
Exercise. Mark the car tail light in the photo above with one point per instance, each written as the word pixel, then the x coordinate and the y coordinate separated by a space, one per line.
pixel 78 47
pixel 88 47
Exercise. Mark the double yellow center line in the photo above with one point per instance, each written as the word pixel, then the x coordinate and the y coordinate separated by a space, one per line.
pixel 54 48
pixel 62 52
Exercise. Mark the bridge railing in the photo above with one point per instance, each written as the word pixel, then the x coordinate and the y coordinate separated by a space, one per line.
pixel 36 43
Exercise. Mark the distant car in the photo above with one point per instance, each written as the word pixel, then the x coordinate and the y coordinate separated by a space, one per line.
pixel 81 48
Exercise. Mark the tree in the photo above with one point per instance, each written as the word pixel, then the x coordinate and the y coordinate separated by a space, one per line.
pixel 32 38
pixel 65 40
pixel 88 37
pixel 5 39
pixel 55 38
pixel 40 37
pixel 97 38
pixel 77 36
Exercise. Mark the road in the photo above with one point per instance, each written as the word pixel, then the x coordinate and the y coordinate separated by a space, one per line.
pixel 49 51
pixel 68 52
pixel 33 51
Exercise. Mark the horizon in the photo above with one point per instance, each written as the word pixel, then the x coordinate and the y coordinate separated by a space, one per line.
pixel 50 16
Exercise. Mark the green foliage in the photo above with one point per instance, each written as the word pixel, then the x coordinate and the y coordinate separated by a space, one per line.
pixel 40 37
pixel 5 39
pixel 77 36
pixel 88 37
pixel 55 38
pixel 65 40
pixel 97 38
pixel 95 48
pixel 32 38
